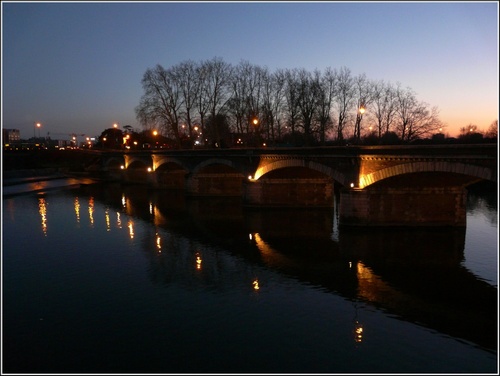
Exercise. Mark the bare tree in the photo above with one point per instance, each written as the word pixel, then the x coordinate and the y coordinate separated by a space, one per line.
pixel 278 101
pixel 292 100
pixel 325 100
pixel 470 128
pixel 240 91
pixel 492 131
pixel 363 93
pixel 216 78
pixel 187 76
pixel 267 108
pixel 343 99
pixel 308 91
pixel 161 102
pixel 414 118
pixel 202 103
pixel 383 106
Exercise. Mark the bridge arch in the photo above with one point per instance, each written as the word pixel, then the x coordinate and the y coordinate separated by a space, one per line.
pixel 216 161
pixel 283 163
pixel 134 161
pixel 479 172
pixel 114 163
pixel 160 161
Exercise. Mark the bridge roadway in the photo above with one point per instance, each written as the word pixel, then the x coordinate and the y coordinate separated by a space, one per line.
pixel 378 185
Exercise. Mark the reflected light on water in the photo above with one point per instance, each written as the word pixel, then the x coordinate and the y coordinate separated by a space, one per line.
pixel 256 284
pixel 118 220
pixel 131 229
pixel 77 209
pixel 42 209
pixel 108 222
pixel 91 211
pixel 358 332
pixel 158 242
pixel 198 261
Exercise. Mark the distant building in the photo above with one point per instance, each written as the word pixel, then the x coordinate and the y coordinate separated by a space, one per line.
pixel 11 136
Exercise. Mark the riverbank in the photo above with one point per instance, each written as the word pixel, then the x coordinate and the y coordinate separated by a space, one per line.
pixel 17 182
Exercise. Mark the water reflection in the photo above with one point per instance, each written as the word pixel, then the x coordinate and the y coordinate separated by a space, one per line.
pixel 42 209
pixel 415 274
pixel 76 204
pixel 91 211
pixel 358 327
pixel 107 219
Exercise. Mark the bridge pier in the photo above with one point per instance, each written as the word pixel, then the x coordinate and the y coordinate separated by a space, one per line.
pixel 215 184
pixel 317 192
pixel 430 206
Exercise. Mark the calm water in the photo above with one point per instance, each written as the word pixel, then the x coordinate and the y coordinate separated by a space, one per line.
pixel 126 280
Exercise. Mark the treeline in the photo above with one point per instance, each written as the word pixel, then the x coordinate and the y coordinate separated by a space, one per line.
pixel 212 101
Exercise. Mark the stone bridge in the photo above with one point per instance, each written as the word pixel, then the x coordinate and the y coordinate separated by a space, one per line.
pixel 377 185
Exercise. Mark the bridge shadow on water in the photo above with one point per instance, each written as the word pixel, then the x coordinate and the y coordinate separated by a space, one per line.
pixel 413 274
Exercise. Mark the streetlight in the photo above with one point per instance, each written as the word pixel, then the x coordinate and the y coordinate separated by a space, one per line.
pixel 115 125
pixel 255 122
pixel 35 126
pixel 359 117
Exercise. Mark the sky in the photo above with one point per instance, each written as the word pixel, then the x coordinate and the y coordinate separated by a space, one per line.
pixel 76 67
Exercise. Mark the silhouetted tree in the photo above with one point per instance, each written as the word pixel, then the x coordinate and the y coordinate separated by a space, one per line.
pixel 217 131
pixel 161 101
pixel 383 106
pixel 111 138
pixel 324 100
pixel 343 99
pixel 306 105
pixel 492 131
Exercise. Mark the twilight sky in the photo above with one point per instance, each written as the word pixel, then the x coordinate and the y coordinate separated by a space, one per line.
pixel 77 67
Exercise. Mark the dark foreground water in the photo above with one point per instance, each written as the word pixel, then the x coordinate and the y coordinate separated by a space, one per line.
pixel 112 279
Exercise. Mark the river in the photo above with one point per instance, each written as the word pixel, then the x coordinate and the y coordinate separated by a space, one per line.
pixel 123 279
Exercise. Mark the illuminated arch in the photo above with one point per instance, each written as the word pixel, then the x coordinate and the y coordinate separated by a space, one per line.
pixel 158 161
pixel 129 160
pixel 328 171
pixel 485 173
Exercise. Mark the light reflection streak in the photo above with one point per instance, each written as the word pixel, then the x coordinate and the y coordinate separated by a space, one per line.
pixel 158 243
pixel 131 229
pixel 42 209
pixel 269 255
pixel 108 222
pixel 91 211
pixel 358 332
pixel 77 209
pixel 198 261
pixel 118 220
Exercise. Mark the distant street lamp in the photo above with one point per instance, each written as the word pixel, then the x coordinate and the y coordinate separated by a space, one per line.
pixel 35 126
pixel 359 117
pixel 115 125
pixel 255 123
